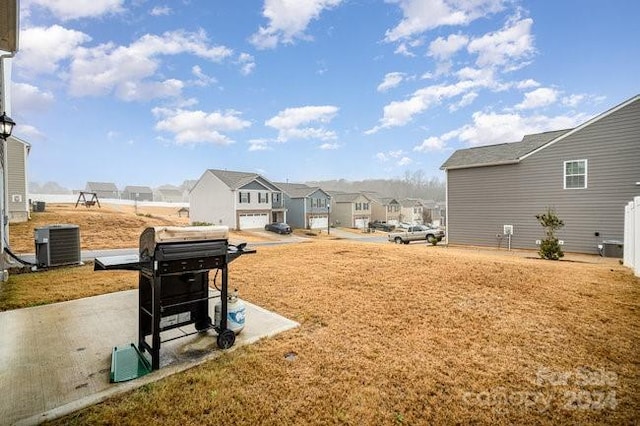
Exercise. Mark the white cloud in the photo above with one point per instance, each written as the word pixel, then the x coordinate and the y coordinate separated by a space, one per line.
pixel 28 132
pixel 259 145
pixel 466 100
pixel 43 48
pixel 422 15
pixel 291 123
pixel 405 161
pixel 490 128
pixel 391 80
pixel 442 49
pixel 508 47
pixel 126 69
pixel 141 90
pixel 288 20
pixel 25 97
pixel 432 143
pixel 572 101
pixel 192 127
pixel 399 113
pixel 160 11
pixel 247 63
pixel 203 80
pixel 389 155
pixel 435 143
pixel 538 98
pixel 403 50
pixel 527 84
pixel 329 146
pixel 75 9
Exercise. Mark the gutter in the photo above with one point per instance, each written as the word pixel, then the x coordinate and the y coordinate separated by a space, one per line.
pixel 472 166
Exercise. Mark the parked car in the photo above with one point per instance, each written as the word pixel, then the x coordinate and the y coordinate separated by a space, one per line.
pixel 416 233
pixel 383 226
pixel 279 227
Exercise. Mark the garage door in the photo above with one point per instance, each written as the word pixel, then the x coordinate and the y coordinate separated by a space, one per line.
pixel 318 222
pixel 362 222
pixel 253 220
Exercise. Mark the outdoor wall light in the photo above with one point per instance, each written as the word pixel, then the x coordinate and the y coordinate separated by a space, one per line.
pixel 6 125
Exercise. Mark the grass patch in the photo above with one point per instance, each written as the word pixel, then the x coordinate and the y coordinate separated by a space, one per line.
pixel 402 335
pixel 61 284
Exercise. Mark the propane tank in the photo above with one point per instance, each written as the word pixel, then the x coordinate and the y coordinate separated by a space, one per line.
pixel 235 312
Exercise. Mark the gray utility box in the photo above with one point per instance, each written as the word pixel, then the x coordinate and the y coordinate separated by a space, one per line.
pixel 612 248
pixel 57 245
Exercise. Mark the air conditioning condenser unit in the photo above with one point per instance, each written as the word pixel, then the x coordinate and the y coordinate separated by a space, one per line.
pixel 57 245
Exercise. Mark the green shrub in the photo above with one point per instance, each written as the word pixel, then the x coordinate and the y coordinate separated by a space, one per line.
pixel 550 246
pixel 550 249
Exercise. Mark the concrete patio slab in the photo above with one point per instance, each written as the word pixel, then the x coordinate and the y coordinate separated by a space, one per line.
pixel 55 359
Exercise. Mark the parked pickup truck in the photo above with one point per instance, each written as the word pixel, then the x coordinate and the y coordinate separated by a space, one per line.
pixel 416 233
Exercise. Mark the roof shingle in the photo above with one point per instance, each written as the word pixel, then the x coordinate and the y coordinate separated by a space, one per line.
pixel 503 153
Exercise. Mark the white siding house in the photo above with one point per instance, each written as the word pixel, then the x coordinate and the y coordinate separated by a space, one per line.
pixel 236 199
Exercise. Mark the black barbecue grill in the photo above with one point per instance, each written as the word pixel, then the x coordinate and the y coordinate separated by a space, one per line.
pixel 173 290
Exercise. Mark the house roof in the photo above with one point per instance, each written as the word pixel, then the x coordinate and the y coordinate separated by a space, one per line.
pixel 170 191
pixel 508 153
pixel 138 189
pixel 387 200
pixel 410 202
pixel 235 180
pixel 344 197
pixel 503 153
pixel 298 190
pixel 102 186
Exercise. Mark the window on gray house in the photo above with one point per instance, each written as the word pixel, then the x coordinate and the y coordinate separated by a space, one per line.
pixel 245 197
pixel 263 197
pixel 575 174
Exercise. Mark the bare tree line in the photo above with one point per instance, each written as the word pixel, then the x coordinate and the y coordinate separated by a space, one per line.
pixel 414 184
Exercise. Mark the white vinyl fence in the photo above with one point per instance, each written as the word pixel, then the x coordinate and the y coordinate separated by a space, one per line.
pixel 632 235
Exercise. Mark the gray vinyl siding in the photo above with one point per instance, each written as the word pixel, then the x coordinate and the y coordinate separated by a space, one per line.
pixel 483 199
pixel 295 212
pixel 299 209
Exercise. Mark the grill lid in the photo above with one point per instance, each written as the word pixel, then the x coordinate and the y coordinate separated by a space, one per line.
pixel 174 234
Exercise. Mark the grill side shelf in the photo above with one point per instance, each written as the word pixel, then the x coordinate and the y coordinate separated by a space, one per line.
pixel 126 262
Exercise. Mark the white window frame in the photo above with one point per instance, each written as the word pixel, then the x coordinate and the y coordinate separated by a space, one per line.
pixel 586 173
pixel 248 198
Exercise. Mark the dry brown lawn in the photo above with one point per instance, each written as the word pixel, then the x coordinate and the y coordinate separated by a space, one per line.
pixel 413 335
pixel 389 334
pixel 111 226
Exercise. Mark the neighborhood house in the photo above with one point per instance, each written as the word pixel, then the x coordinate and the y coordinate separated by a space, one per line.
pixel 586 174
pixel 236 199
pixel 307 207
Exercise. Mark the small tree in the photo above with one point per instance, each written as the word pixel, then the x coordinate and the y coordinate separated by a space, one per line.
pixel 550 247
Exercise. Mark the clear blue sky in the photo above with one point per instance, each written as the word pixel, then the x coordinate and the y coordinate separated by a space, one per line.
pixel 148 93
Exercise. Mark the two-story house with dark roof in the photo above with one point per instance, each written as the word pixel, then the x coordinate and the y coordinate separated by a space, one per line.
pixel 239 200
pixel 307 206
pixel 586 174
